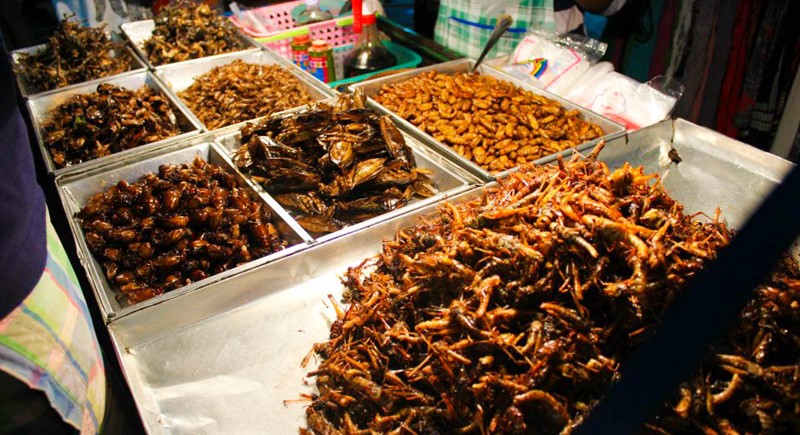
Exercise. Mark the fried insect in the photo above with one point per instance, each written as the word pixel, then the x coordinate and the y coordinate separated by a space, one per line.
pixel 170 229
pixel 751 381
pixel 185 30
pixel 508 313
pixel 108 121
pixel 241 91
pixel 75 54
pixel 333 166
pixel 488 121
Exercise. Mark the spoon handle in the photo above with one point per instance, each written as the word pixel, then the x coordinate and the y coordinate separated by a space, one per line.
pixel 503 23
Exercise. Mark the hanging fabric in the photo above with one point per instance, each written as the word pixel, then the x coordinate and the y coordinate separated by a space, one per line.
pixel 642 44
pixel 666 25
pixel 697 59
pixel 680 37
pixel 743 32
pixel 723 43
pixel 707 57
pixel 780 26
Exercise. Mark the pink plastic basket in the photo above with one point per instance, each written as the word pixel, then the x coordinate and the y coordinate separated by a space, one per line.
pixel 274 19
pixel 282 29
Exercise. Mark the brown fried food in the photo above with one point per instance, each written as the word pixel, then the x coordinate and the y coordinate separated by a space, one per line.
pixel 185 30
pixel 751 381
pixel 488 121
pixel 241 91
pixel 333 166
pixel 508 313
pixel 108 121
pixel 167 230
pixel 75 54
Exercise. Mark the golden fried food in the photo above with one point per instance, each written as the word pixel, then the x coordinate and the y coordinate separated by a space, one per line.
pixel 488 121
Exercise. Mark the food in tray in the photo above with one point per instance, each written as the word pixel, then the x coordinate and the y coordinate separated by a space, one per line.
pixel 240 91
pixel 333 166
pixel 74 54
pixel 488 121
pixel 751 381
pixel 169 229
pixel 110 120
pixel 510 313
pixel 185 30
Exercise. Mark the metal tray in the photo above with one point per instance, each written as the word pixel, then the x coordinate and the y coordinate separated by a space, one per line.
pixel 179 76
pixel 40 106
pixel 372 87
pixel 139 31
pixel 449 178
pixel 75 191
pixel 228 364
pixel 136 65
pixel 715 172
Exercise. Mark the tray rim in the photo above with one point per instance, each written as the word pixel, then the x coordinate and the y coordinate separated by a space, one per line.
pixel 135 43
pixel 37 117
pixel 112 311
pixel 123 332
pixel 26 92
pixel 302 76
pixel 465 63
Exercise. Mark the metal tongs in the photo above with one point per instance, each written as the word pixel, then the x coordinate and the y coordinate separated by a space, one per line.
pixel 503 23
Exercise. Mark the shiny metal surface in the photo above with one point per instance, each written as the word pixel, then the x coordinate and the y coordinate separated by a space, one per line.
pixel 372 87
pixel 228 364
pixel 39 108
pixel 715 172
pixel 75 190
pixel 136 66
pixel 139 31
pixel 179 76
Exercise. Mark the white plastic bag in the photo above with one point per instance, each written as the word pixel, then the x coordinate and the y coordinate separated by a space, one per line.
pixel 623 99
pixel 551 61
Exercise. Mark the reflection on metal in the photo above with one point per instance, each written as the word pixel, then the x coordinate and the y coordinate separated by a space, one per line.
pixel 224 358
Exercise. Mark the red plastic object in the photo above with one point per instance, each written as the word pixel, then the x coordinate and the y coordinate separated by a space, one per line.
pixel 358 17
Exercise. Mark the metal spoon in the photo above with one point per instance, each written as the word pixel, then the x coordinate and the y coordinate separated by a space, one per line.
pixel 503 23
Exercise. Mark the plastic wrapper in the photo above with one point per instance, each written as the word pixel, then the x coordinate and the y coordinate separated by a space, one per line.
pixel 623 99
pixel 552 61
pixel 566 66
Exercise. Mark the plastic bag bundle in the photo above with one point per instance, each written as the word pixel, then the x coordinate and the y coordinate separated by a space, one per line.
pixel 566 65
pixel 551 61
pixel 623 99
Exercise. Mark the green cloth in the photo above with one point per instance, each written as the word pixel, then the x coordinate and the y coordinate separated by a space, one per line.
pixel 639 52
pixel 462 25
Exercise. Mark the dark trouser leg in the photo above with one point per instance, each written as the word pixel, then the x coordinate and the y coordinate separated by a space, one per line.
pixel 425 12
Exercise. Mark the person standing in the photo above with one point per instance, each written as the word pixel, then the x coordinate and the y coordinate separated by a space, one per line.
pixel 50 358
pixel 465 25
